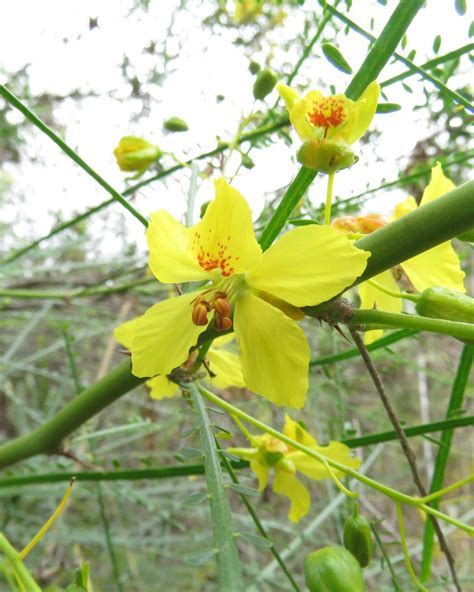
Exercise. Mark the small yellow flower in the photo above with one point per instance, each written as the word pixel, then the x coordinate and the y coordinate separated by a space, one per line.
pixel 135 154
pixel 437 267
pixel 257 293
pixel 329 125
pixel 246 11
pixel 267 452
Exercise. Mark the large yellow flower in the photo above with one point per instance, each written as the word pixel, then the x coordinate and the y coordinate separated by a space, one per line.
pixel 268 452
pixel 439 266
pixel 246 288
pixel 335 118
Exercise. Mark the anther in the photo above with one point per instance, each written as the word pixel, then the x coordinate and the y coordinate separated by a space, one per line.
pixel 221 304
pixel 222 323
pixel 200 312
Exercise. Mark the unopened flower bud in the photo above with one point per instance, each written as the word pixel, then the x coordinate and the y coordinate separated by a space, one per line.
pixel 264 84
pixel 175 124
pixel 135 154
pixel 326 156
pixel 200 312
pixel 370 223
pixel 358 537
pixel 246 161
pixel 254 67
pixel 222 323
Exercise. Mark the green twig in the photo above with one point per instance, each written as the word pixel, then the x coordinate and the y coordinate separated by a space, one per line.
pixel 21 573
pixel 15 102
pixel 454 407
pixel 229 568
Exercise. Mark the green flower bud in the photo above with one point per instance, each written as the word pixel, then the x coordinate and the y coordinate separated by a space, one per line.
pixel 135 154
pixel 333 569
pixel 246 161
pixel 254 67
pixel 448 304
pixel 326 156
pixel 204 208
pixel 467 237
pixel 264 84
pixel 358 537
pixel 175 124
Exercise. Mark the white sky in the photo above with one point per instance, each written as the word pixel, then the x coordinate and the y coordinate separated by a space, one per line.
pixel 53 37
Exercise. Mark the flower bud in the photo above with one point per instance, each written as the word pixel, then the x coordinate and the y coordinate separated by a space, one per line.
pixel 246 161
pixel 254 67
pixel 135 154
pixel 358 537
pixel 447 304
pixel 175 124
pixel 222 323
pixel 333 569
pixel 326 156
pixel 264 84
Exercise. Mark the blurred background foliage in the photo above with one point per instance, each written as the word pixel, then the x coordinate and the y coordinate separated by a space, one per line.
pixel 138 535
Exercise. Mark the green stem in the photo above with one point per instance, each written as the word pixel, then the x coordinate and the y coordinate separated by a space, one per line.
pixel 393 294
pixel 15 102
pixel 327 210
pixel 186 470
pixel 22 574
pixel 451 55
pixel 454 407
pixel 256 520
pixel 229 568
pixel 406 552
pixel 378 317
pixel 48 437
pixel 384 489
pixel 353 352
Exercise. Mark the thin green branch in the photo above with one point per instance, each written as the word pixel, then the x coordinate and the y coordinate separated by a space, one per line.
pixel 229 567
pixel 454 407
pixel 370 317
pixel 15 102
pixel 21 573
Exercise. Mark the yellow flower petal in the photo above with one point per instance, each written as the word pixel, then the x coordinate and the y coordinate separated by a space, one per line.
pixel 226 367
pixel 404 207
pixel 308 265
pixel 287 484
pixel 261 472
pixel 440 266
pixel 125 333
pixel 222 341
pixel 438 185
pixel 296 432
pixel 289 96
pixel 273 350
pixel 163 336
pixel 171 258
pixel 371 297
pixel 360 117
pixel 316 470
pixel 224 239
pixel 162 388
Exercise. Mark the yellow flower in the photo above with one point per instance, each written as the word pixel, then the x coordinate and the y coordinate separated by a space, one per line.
pixel 268 452
pixel 135 154
pixel 437 267
pixel 256 293
pixel 246 11
pixel 224 365
pixel 329 125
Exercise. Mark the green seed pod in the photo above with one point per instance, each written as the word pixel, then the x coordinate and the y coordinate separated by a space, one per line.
pixel 333 569
pixel 254 67
pixel 175 124
pixel 264 84
pixel 358 537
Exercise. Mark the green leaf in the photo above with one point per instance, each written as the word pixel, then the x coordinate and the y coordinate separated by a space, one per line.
pixel 460 6
pixel 387 107
pixel 194 499
pixel 243 489
pixel 437 43
pixel 335 57
pixel 199 558
pixel 189 453
pixel 188 432
pixel 255 540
